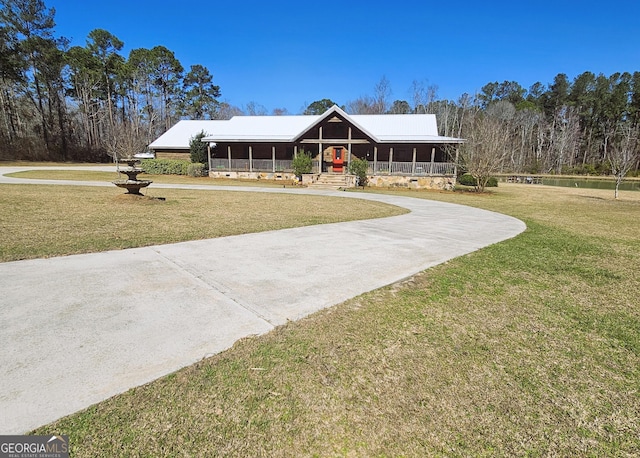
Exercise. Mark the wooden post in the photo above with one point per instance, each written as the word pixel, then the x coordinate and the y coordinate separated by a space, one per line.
pixel 433 156
pixel 375 160
pixel 209 154
pixel 295 151
pixel 229 155
pixel 390 158
pixel 320 153
pixel 413 162
pixel 455 164
pixel 250 159
pixel 273 158
pixel 349 151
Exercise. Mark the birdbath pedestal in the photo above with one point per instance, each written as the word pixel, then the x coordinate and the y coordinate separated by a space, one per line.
pixel 132 184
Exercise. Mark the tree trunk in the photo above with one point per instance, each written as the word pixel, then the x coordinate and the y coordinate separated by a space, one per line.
pixel 63 131
pixel 45 132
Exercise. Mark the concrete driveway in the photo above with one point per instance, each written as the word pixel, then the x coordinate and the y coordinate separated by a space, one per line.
pixel 76 330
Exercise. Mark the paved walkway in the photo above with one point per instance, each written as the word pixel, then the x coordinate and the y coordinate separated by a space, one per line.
pixel 76 330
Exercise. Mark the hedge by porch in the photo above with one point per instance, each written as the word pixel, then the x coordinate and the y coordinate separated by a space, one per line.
pixel 165 166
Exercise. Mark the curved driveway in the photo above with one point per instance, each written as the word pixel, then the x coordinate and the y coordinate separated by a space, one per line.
pixel 76 330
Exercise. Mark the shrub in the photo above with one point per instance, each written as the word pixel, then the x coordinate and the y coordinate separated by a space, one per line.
pixel 302 163
pixel 468 180
pixel 196 170
pixel 359 167
pixel 198 149
pixel 164 167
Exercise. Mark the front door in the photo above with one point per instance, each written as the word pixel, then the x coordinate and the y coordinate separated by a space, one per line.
pixel 338 159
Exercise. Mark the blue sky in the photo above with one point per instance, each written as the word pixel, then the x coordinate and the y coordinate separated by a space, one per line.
pixel 284 54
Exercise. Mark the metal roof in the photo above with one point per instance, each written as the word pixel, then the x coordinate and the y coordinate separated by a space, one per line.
pixel 399 126
pixel 261 128
pixel 410 128
pixel 179 136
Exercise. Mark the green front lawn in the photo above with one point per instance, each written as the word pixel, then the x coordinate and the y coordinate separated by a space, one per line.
pixel 530 347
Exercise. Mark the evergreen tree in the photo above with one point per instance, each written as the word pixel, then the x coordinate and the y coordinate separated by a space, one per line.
pixel 198 148
pixel 318 107
pixel 200 95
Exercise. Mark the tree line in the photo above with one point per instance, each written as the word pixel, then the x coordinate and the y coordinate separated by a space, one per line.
pixel 87 102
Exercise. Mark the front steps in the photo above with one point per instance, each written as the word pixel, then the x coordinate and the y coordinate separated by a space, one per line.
pixel 332 181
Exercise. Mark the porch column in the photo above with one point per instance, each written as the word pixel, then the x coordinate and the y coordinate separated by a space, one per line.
pixel 375 160
pixel 433 156
pixel 413 162
pixel 455 164
pixel 349 151
pixel 273 158
pixel 390 159
pixel 209 154
pixel 229 156
pixel 320 154
pixel 295 151
pixel 250 159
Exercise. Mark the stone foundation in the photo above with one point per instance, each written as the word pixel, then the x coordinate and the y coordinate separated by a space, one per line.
pixel 431 182
pixel 285 176
pixel 309 178
pixel 382 181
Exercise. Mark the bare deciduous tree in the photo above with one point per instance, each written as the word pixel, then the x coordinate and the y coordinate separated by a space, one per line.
pixel 378 104
pixel 361 105
pixel 255 109
pixel 382 96
pixel 228 111
pixel 623 153
pixel 424 97
pixel 123 141
pixel 564 139
pixel 486 148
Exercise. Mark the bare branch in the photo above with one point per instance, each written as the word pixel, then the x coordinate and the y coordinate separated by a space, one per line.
pixel 624 153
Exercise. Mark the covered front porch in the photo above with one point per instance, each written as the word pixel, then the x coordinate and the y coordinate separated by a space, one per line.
pixel 381 161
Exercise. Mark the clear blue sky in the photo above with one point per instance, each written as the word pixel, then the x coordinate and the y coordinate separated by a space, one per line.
pixel 285 54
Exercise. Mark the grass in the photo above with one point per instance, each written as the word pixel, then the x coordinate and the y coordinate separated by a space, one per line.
pixel 44 221
pixel 93 175
pixel 530 347
pixel 12 163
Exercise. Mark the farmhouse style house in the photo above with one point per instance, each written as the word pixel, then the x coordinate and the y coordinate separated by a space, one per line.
pixel 401 150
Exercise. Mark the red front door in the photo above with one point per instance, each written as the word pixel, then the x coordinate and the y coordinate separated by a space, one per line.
pixel 338 160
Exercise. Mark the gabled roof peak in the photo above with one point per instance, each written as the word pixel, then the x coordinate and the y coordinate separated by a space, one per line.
pixel 335 111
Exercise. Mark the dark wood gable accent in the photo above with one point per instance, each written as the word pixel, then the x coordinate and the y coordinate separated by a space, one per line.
pixel 333 127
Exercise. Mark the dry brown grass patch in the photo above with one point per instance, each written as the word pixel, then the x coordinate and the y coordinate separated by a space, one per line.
pixel 42 221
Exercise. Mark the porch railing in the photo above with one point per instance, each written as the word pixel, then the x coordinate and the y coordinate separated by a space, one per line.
pixel 408 168
pixel 257 165
pixel 375 168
